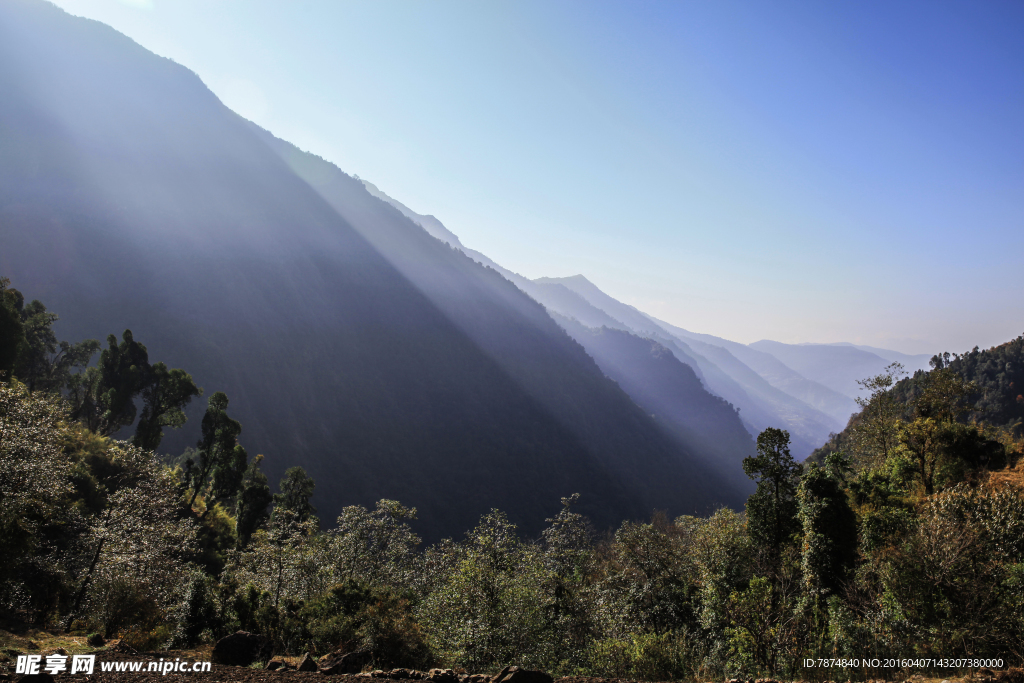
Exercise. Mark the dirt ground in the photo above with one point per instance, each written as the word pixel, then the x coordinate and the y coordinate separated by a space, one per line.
pixel 41 642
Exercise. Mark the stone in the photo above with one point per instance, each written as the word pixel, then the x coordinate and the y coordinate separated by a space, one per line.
pixel 95 640
pixel 241 649
pixel 306 663
pixel 275 664
pixel 339 662
pixel 513 674
pixel 442 676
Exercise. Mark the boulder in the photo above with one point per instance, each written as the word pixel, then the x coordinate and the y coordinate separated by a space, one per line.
pixel 275 664
pixel 513 674
pixel 344 662
pixel 306 663
pixel 241 649
pixel 442 676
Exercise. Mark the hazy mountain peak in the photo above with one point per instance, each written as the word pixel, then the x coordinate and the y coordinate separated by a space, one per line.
pixel 434 227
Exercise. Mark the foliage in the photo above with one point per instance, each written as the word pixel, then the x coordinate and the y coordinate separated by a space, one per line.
pixel 252 501
pixel 296 492
pixel 908 546
pixel 771 510
pixel 488 608
pixel 222 461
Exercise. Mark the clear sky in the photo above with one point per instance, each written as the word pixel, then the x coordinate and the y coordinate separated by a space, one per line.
pixel 799 171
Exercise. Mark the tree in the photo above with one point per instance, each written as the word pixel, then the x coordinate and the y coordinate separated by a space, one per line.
pixel 12 330
pixel 829 526
pixel 943 451
pixel 252 501
pixel 378 546
pixel 875 432
pixel 944 395
pixel 296 491
pixel 772 509
pixel 222 461
pixel 103 397
pixel 165 395
pixel 34 480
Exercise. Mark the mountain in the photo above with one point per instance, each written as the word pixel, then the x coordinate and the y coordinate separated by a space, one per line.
pixel 629 316
pixel 775 372
pixel 838 367
pixel 761 404
pixel 767 392
pixel 349 340
pixel 669 389
pixel 912 362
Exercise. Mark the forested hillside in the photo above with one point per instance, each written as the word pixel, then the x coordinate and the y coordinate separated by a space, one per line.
pixel 670 391
pixel 102 538
pixel 980 391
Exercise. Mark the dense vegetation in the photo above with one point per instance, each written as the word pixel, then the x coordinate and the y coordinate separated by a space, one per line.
pixel 871 558
pixel 962 408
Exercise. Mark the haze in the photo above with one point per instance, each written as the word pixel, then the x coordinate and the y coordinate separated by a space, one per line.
pixel 803 172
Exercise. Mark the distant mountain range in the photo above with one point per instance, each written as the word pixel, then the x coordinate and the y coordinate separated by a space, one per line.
pixel 354 336
pixel 348 339
pixel 808 389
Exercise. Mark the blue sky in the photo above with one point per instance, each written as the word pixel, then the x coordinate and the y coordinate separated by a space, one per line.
pixel 798 171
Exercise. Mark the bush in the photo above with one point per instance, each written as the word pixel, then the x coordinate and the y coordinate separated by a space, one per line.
pixel 197 613
pixel 647 657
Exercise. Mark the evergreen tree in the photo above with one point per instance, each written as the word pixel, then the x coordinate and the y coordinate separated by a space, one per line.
pixel 829 526
pixel 104 397
pixel 296 492
pixel 252 501
pixel 222 461
pixel 772 509
pixel 166 393
pixel 12 331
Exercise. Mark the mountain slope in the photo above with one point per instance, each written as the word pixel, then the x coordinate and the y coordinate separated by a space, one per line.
pixel 775 372
pixel 837 367
pixel 349 341
pixel 761 404
pixel 668 388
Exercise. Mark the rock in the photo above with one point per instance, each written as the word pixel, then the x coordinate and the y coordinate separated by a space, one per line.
pixel 513 674
pixel 241 649
pixel 275 664
pixel 306 663
pixel 400 674
pixel 95 640
pixel 442 676
pixel 477 678
pixel 344 662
